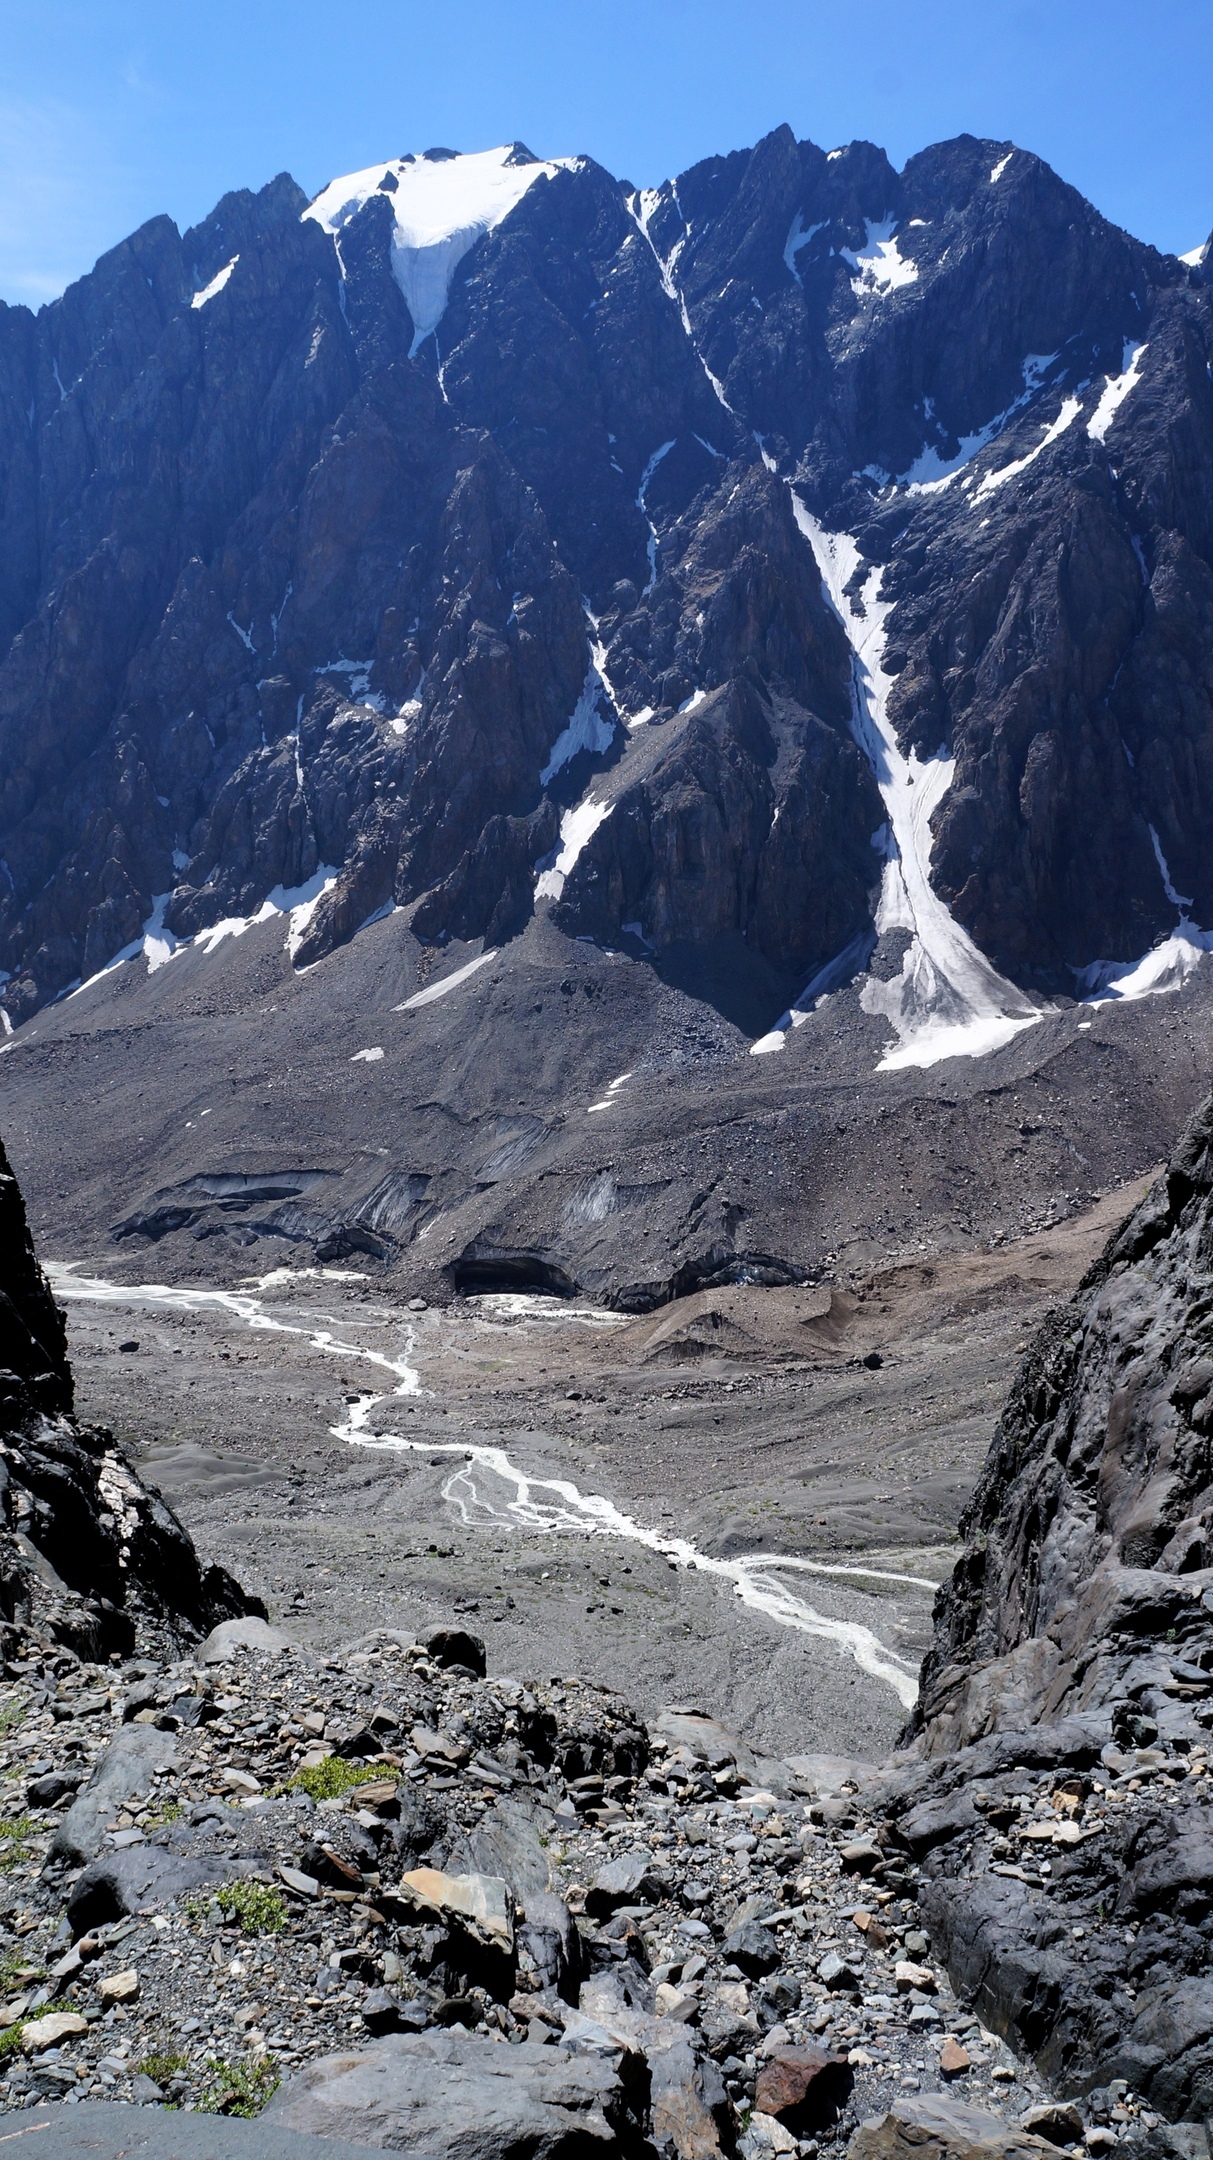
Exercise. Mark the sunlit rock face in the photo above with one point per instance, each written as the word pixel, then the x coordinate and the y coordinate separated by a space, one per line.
pixel 803 552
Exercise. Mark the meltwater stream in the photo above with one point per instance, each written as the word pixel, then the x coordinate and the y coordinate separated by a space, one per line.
pixel 487 1488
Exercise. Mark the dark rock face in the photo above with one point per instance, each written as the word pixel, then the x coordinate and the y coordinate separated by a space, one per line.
pixel 86 1549
pixel 295 599
pixel 1059 1800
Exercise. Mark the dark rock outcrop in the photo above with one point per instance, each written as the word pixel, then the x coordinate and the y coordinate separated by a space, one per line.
pixel 1057 1800
pixel 294 596
pixel 87 1551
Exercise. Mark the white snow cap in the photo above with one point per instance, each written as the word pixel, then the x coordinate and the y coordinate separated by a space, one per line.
pixel 442 204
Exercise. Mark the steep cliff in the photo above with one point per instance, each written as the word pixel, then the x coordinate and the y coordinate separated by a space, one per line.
pixel 1057 1796
pixel 87 1552
pixel 457 543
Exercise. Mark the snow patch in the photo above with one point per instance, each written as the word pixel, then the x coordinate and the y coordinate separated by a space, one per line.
pixel 642 506
pixel 587 730
pixel 358 676
pixel 434 991
pixel 1070 410
pixel 1001 167
pixel 613 1088
pixel 948 1001
pixel 576 827
pixel 881 268
pixel 641 208
pixel 930 472
pixel 1115 390
pixel 1167 967
pixel 216 285
pixel 1195 256
pixel 367 1057
pixel 440 207
pixel 799 237
pixel 157 945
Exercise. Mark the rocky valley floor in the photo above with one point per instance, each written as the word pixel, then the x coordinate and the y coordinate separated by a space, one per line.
pixel 842 1429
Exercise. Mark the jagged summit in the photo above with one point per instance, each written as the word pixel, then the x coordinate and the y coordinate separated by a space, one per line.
pixel 791 584
pixel 442 203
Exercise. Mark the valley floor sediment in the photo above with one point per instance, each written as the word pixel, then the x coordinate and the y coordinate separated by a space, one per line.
pixel 310 1431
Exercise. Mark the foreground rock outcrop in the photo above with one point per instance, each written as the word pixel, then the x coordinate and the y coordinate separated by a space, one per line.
pixel 423 1909
pixel 1058 1801
pixel 87 1551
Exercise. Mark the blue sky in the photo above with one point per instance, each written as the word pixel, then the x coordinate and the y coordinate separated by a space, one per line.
pixel 113 110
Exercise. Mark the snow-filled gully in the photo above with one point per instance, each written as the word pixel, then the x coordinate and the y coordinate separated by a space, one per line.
pixel 948 1001
pixel 487 1488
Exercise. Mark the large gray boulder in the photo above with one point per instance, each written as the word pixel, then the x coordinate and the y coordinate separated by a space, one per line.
pixel 690 2116
pixel 112 2130
pixel 506 1843
pixel 458 2096
pixel 144 1875
pixel 936 2127
pixel 247 1633
pixel 125 1772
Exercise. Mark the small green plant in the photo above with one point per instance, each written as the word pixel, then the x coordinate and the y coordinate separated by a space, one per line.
pixel 12 1710
pixel 237 2088
pixel 327 1780
pixel 257 1909
pixel 14 1829
pixel 16 1971
pixel 158 1817
pixel 162 2068
pixel 10 2040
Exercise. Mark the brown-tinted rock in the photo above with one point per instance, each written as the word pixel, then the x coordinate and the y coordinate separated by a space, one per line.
pixel 802 2086
pixel 934 2127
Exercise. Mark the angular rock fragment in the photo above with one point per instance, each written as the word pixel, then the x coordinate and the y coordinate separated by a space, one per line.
pixel 936 2127
pixel 127 1769
pixel 802 2087
pixel 449 1646
pixel 630 1879
pixel 456 2096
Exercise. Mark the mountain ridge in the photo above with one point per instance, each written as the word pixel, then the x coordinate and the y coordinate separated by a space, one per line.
pixel 356 447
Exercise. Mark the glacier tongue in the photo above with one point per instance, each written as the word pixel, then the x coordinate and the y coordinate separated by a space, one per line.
pixel 948 1001
pixel 441 207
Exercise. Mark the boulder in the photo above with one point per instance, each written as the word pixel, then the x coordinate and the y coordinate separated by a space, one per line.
pixel 802 2087
pixel 456 1646
pixel 935 2127
pixel 249 1633
pixel 631 1879
pixel 690 2117
pixel 112 2130
pixel 125 1772
pixel 458 2096
pixel 753 1948
pixel 52 2031
pixel 145 1876
pixel 479 1906
pixel 1058 2121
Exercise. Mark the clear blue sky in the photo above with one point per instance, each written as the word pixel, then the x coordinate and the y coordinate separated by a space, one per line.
pixel 113 110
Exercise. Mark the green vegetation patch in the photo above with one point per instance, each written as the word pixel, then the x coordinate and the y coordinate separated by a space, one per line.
pixel 255 1908
pixel 237 2088
pixel 161 2068
pixel 327 1780
pixel 14 1830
